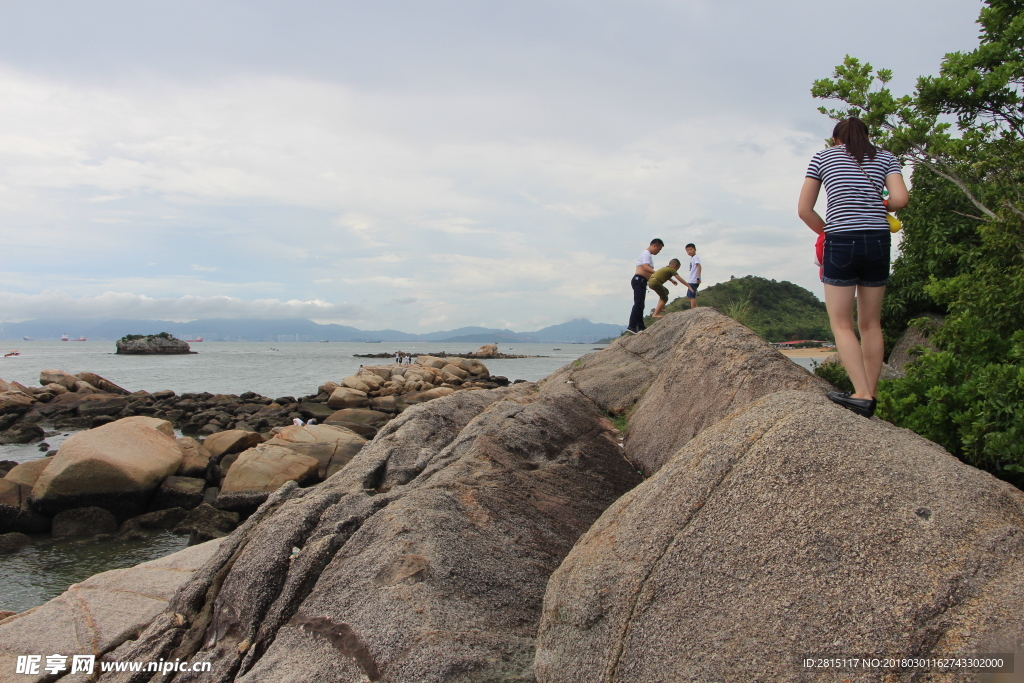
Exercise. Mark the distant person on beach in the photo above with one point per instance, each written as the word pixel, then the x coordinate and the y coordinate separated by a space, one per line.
pixel 644 270
pixel 695 270
pixel 669 274
pixel 856 252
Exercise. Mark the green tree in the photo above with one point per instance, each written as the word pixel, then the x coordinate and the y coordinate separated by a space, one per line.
pixel 963 252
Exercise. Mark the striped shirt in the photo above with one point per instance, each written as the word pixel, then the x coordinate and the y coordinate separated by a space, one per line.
pixel 854 202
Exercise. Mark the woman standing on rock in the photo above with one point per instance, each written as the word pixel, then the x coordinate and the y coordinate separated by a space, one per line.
pixel 857 242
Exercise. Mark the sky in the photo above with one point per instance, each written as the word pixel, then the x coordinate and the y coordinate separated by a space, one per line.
pixel 416 165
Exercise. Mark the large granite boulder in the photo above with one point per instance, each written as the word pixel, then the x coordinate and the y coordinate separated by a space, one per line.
pixel 231 441
pixel 28 472
pixel 710 367
pixel 178 492
pixel 98 615
pixel 423 560
pixel 102 383
pixel 158 344
pixel 116 467
pixel 83 522
pixel 332 446
pixel 345 397
pixel 195 459
pixel 489 350
pixel 59 377
pixel 15 403
pixel 260 471
pixel 790 527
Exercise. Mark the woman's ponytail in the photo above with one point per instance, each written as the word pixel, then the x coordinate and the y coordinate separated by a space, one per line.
pixel 853 133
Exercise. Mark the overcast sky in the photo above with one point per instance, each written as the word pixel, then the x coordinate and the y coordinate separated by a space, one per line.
pixel 416 165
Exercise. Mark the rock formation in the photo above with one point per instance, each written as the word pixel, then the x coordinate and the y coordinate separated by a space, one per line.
pixel 154 344
pixel 507 535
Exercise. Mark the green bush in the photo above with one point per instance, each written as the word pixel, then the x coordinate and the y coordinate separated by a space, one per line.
pixel 834 374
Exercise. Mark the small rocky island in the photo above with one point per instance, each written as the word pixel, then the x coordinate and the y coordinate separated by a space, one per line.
pixel 158 344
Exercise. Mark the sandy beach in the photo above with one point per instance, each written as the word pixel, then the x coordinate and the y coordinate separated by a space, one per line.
pixel 808 353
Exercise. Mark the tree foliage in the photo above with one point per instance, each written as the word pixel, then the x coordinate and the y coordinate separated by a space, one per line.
pixel 963 250
pixel 778 311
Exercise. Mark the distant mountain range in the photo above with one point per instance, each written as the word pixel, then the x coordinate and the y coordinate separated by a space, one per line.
pixel 580 331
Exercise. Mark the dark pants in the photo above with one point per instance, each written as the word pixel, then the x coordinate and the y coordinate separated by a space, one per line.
pixel 636 316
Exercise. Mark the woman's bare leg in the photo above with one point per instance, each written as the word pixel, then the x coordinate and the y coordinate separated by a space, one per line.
pixel 872 344
pixel 839 302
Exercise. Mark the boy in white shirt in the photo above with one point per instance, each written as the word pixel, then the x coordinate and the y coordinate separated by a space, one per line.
pixel 644 270
pixel 695 269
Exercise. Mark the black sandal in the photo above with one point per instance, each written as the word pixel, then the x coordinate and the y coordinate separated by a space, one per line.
pixel 864 407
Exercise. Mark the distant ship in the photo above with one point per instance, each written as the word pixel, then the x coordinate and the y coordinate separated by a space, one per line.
pixel 79 339
pixel 197 339
pixel 28 338
pixel 63 337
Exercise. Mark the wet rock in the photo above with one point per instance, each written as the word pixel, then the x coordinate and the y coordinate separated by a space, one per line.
pixel 175 492
pixel 363 416
pixel 58 377
pixel 362 430
pixel 87 521
pixel 205 523
pixel 21 433
pixel 13 542
pixel 101 404
pixel 15 403
pixel 167 518
pixel 6 466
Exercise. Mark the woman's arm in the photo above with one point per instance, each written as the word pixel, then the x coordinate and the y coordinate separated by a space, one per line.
pixel 805 207
pixel 899 196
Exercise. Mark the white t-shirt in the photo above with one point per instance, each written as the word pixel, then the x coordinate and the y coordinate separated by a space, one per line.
pixel 645 257
pixel 694 262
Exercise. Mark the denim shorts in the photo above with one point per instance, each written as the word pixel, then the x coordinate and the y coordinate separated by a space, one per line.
pixel 857 257
pixel 692 293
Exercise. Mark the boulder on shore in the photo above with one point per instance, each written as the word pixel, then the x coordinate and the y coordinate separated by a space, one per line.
pixel 83 522
pixel 792 526
pixel 116 467
pixel 157 344
pixel 261 470
pixel 487 350
pixel 332 446
pixel 231 441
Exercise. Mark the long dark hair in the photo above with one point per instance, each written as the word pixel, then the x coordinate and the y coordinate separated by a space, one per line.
pixel 854 134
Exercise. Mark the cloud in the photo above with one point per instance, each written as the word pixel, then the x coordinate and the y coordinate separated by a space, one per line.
pixel 58 304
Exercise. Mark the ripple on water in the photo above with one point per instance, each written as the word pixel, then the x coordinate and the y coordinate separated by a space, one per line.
pixel 48 567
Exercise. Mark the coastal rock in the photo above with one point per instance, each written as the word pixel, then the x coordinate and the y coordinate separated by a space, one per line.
pixel 115 466
pixel 431 362
pixel 21 433
pixel 477 494
pixel 195 459
pixel 59 377
pixel 319 411
pixel 450 371
pixel 487 350
pixel 13 542
pixel 15 512
pixel 14 402
pixel 230 441
pixel 160 344
pixel 205 523
pixel 27 473
pixel 333 447
pixel 428 395
pixel 104 384
pixel 363 416
pixel 98 614
pixel 790 526
pixel 167 518
pixel 261 470
pixel 470 365
pixel 101 404
pixel 736 367
pixel 384 404
pixel 359 384
pixel 913 337
pixel 87 521
pixel 56 389
pixel 178 492
pixel 85 388
pixel 344 397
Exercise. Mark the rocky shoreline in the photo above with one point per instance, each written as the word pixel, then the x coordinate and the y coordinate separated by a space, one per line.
pixel 684 493
pixel 128 472
pixel 485 352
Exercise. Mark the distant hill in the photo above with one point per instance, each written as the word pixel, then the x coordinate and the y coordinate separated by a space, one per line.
pixel 778 311
pixel 297 329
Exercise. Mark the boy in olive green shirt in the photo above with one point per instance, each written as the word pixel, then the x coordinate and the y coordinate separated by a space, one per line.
pixel 661 276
